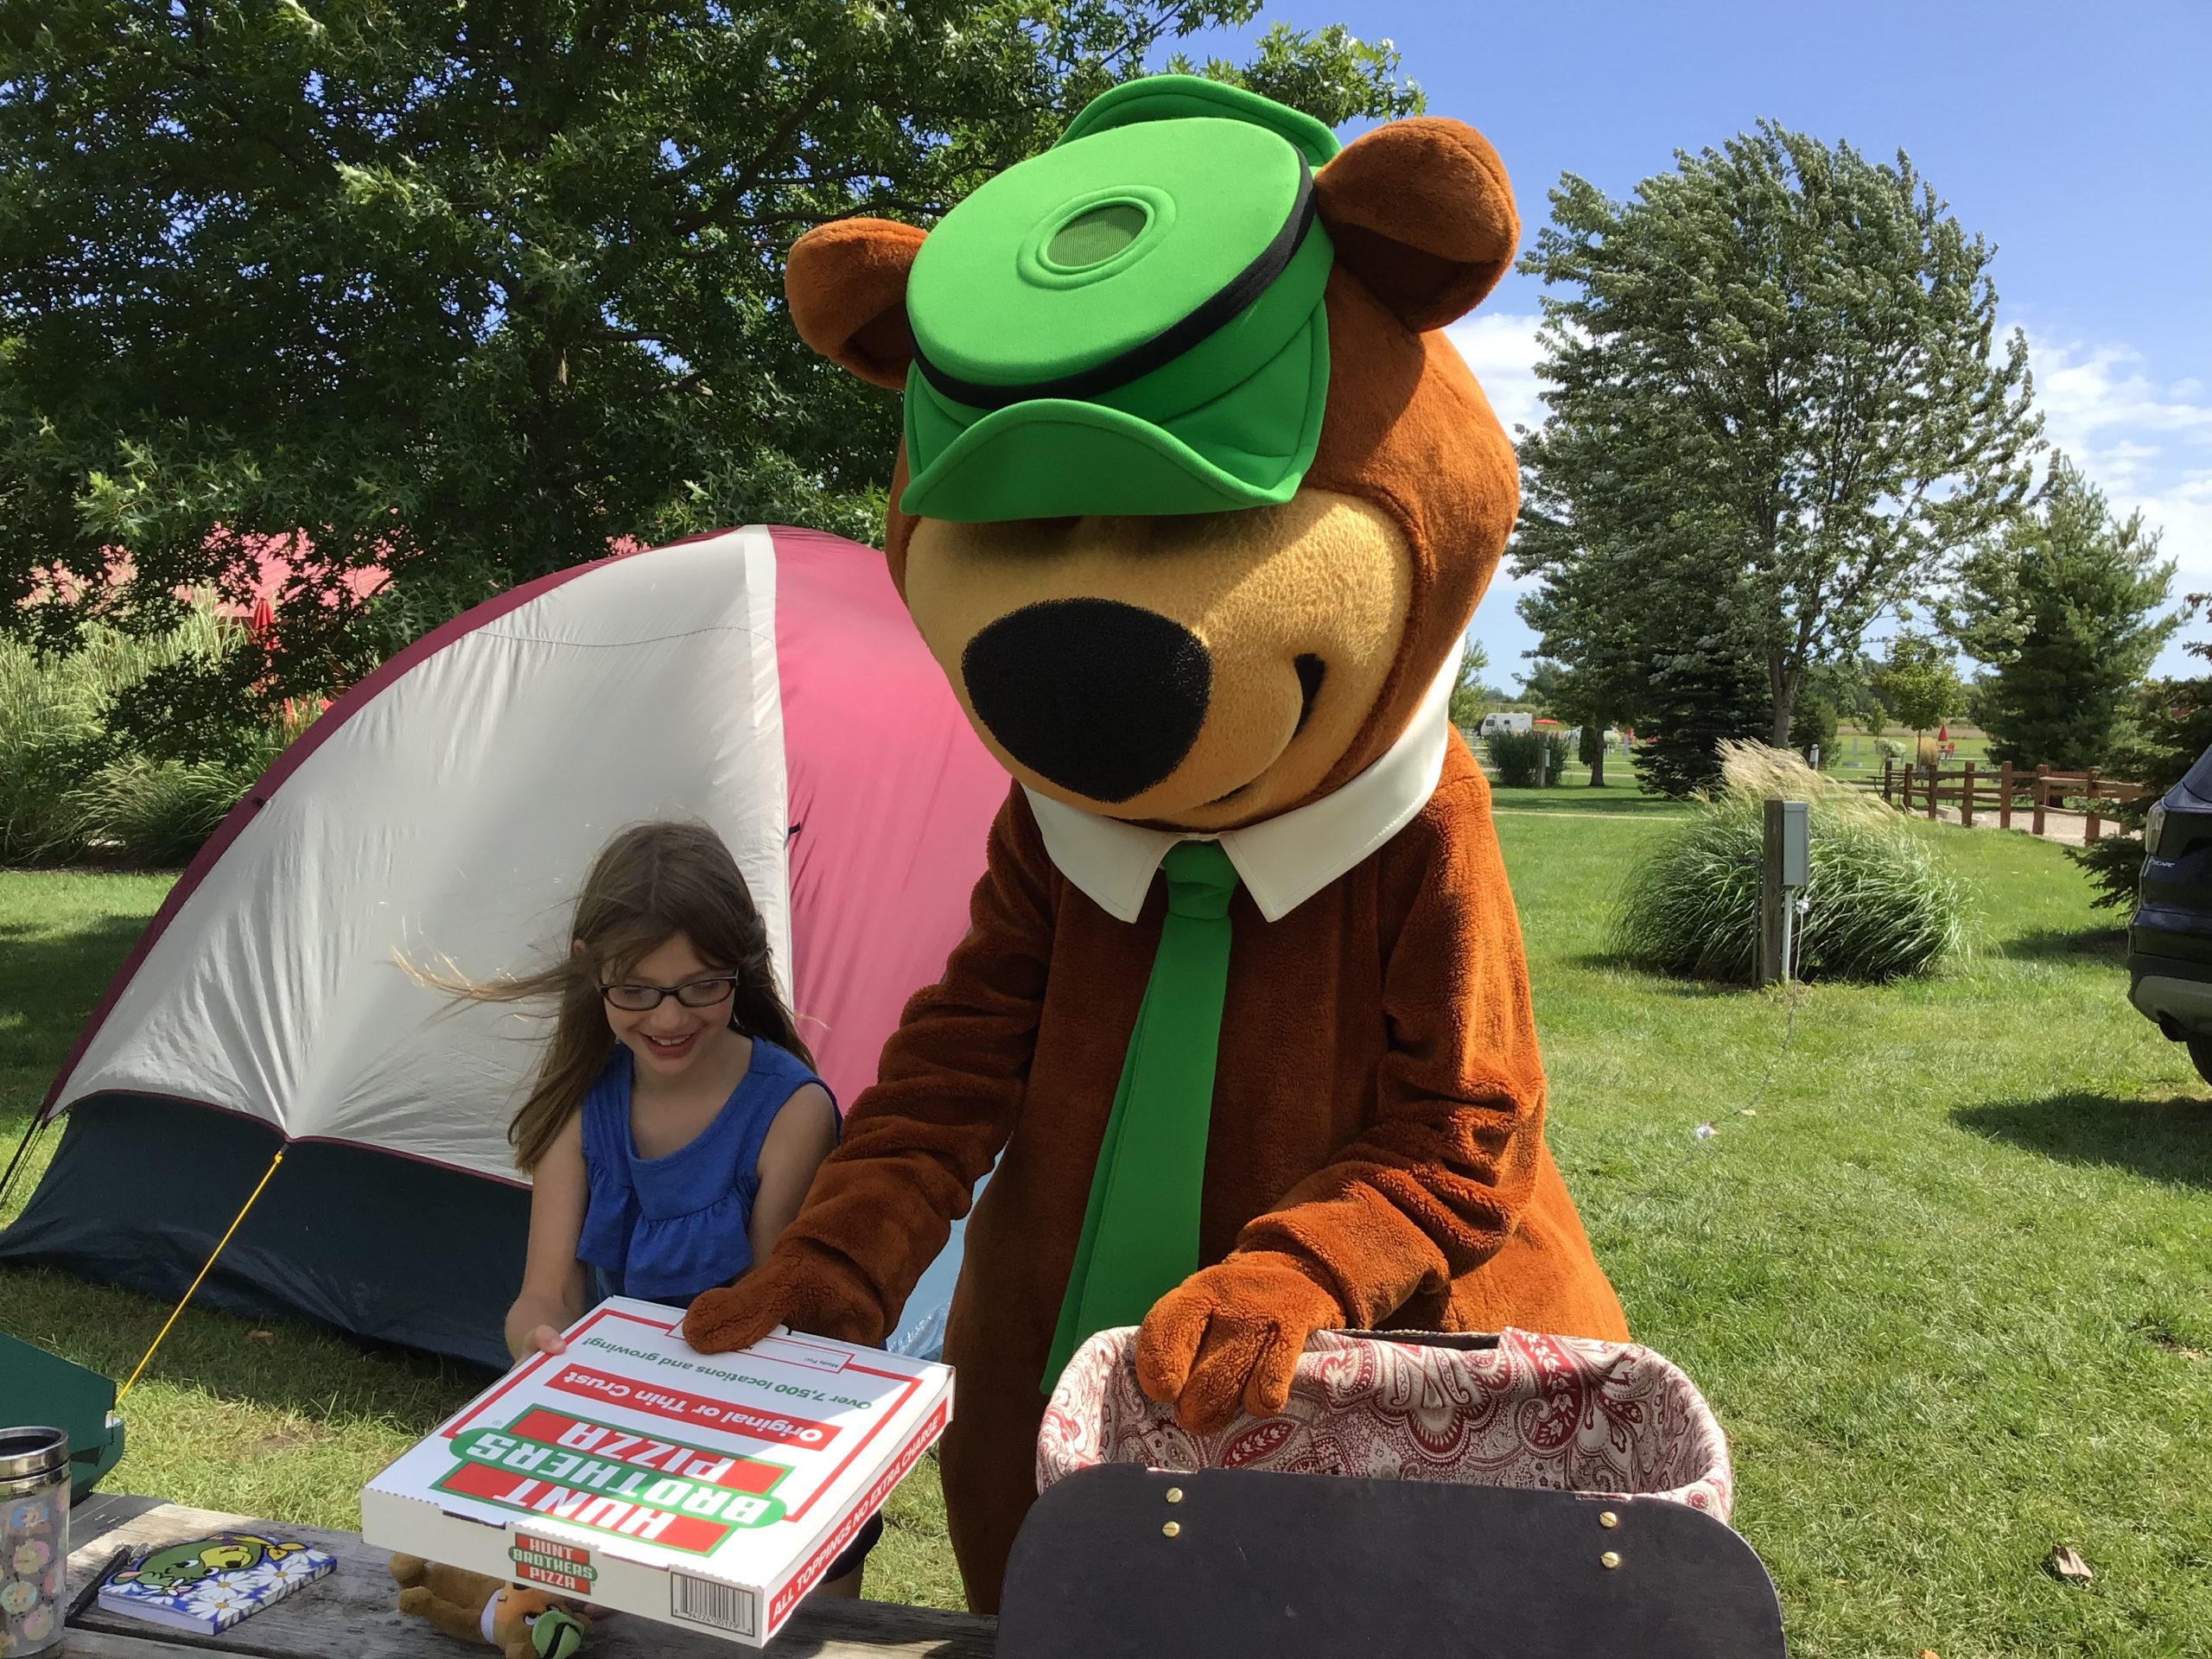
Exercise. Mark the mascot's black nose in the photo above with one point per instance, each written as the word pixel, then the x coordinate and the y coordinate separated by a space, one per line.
pixel 1100 697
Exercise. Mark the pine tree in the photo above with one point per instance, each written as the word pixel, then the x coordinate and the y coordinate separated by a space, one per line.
pixel 2065 607
pixel 1697 699
pixel 2170 728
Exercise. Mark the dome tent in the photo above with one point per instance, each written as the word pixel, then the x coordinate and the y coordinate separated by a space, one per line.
pixel 768 682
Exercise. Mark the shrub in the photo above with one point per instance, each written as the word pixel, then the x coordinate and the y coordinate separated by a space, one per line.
pixel 69 791
pixel 1517 754
pixel 1558 754
pixel 1881 903
pixel 1811 725
pixel 158 812
pixel 49 738
pixel 151 812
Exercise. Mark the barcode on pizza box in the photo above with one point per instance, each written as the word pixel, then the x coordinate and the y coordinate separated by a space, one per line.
pixel 704 1601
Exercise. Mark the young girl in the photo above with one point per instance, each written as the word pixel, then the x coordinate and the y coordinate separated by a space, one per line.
pixel 677 1121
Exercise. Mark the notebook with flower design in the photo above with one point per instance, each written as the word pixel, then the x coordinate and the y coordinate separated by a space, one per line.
pixel 210 1584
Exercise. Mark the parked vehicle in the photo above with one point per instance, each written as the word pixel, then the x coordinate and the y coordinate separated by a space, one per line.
pixel 2170 937
pixel 1495 724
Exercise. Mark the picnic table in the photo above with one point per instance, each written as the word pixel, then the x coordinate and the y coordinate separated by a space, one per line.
pixel 354 1612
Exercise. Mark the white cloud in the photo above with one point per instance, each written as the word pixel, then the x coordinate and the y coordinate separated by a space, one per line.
pixel 1502 352
pixel 2145 442
pixel 2086 390
pixel 1501 347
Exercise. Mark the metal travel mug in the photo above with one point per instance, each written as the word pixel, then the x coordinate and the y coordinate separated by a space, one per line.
pixel 33 1538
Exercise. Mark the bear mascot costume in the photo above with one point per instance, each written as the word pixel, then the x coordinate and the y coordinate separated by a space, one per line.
pixel 1193 506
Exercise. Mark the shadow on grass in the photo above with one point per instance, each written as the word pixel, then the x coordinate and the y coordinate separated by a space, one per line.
pixel 1652 979
pixel 1615 800
pixel 53 982
pixel 2106 944
pixel 2166 1140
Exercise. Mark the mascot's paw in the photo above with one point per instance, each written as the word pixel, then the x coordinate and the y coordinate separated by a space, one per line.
pixel 797 1286
pixel 1228 1338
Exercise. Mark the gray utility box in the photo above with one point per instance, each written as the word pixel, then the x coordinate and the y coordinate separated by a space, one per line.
pixel 1785 866
pixel 1796 853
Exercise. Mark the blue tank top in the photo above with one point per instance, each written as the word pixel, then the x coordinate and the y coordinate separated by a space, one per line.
pixel 666 1229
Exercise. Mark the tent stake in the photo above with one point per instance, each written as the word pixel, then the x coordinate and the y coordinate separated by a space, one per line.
pixel 204 1271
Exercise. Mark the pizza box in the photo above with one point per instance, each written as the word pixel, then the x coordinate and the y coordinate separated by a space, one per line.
pixel 708 1490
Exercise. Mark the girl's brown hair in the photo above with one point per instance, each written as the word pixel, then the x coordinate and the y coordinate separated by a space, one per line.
pixel 648 885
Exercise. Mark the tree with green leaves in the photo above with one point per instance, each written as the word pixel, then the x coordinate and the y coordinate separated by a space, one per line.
pixel 1812 728
pixel 1918 683
pixel 1544 685
pixel 468 292
pixel 1773 387
pixel 1590 750
pixel 2065 605
pixel 1650 641
pixel 1471 692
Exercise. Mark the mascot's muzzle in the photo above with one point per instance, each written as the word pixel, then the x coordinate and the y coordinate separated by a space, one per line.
pixel 1101 698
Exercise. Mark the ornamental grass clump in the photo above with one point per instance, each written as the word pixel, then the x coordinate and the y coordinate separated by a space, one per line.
pixel 71 791
pixel 1881 904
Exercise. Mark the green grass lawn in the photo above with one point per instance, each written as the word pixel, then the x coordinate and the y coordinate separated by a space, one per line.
pixel 1948 1283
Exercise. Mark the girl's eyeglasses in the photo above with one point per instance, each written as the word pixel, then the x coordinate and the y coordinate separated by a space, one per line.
pixel 696 994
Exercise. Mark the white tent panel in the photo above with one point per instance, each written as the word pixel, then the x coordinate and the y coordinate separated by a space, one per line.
pixel 452 813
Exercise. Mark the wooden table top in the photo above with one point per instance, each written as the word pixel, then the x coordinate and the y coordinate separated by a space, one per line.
pixel 353 1613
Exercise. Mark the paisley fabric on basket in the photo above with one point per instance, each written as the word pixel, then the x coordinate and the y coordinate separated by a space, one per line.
pixel 1520 1410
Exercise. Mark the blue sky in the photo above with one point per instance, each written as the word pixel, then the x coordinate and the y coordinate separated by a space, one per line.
pixel 2076 137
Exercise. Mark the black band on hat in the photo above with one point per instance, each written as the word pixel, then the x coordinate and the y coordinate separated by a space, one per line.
pixel 1208 318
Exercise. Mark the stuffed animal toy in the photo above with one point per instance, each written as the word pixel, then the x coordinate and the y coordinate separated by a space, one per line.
pixel 473 1607
pixel 1193 507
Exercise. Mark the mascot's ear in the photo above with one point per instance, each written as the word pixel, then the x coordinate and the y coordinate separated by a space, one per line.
pixel 846 282
pixel 1421 211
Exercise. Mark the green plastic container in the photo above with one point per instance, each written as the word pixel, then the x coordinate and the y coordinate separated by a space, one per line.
pixel 38 1388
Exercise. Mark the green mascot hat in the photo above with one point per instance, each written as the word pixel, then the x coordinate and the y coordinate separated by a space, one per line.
pixel 1130 323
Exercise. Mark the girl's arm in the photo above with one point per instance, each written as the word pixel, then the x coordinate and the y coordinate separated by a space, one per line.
pixel 803 1133
pixel 554 1292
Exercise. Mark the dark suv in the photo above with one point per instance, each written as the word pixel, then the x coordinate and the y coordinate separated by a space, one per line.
pixel 2170 940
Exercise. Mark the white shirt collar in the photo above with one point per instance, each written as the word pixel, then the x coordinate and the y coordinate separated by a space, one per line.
pixel 1282 861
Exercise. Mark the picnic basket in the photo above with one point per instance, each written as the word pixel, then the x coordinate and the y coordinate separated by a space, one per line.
pixel 1511 1494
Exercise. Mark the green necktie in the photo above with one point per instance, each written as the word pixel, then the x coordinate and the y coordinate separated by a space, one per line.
pixel 1140 1229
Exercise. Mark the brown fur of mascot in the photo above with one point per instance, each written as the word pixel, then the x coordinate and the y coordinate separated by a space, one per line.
pixel 1375 1154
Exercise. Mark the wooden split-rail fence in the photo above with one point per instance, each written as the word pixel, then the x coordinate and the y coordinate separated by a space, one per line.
pixel 2000 789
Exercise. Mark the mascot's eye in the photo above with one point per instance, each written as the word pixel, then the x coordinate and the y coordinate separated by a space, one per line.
pixel 1311 670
